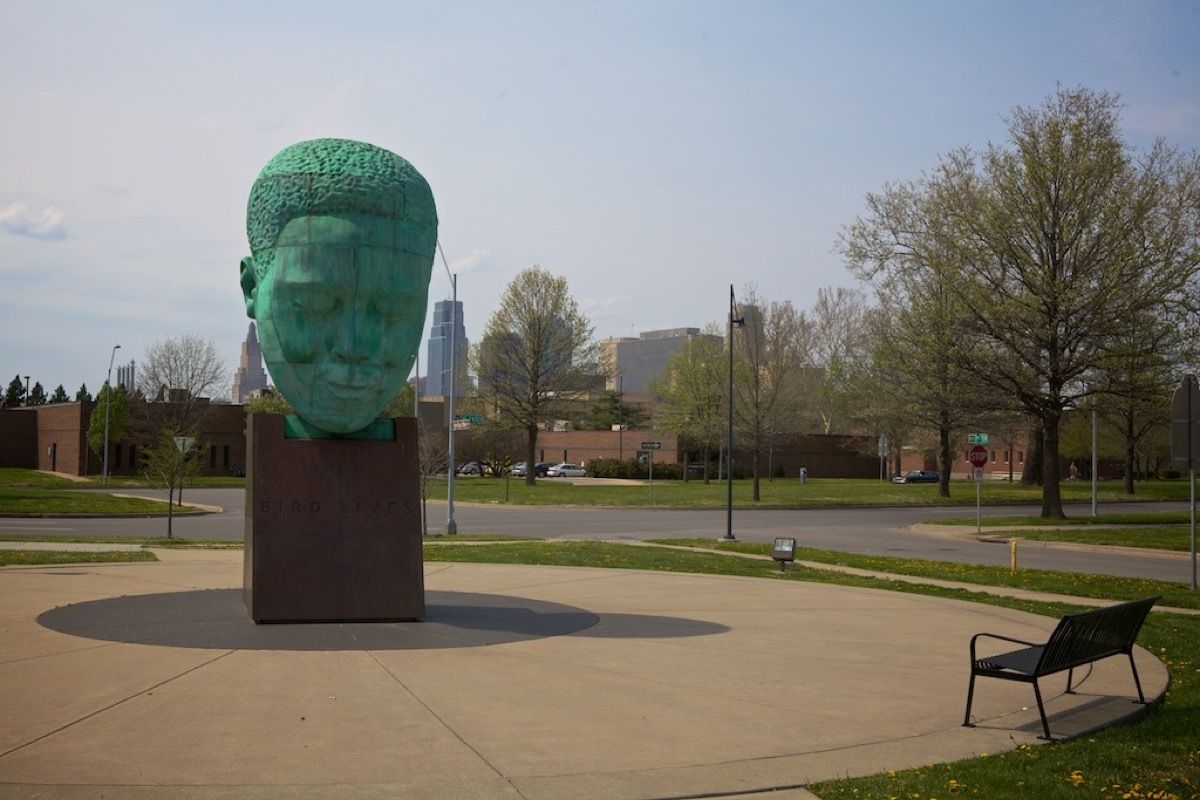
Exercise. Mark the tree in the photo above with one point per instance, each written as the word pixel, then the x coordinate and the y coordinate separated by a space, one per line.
pixel 83 395
pixel 170 462
pixel 692 395
pixel 269 402
pixel 37 395
pixel 611 409
pixel 60 395
pixel 15 394
pixel 767 358
pixel 537 355
pixel 115 403
pixel 1049 247
pixel 403 404
pixel 179 376
pixel 835 341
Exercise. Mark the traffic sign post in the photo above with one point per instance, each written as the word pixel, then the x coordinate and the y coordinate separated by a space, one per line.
pixel 979 459
pixel 650 447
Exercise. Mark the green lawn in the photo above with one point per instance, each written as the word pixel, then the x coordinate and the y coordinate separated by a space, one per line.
pixel 787 492
pixel 20 501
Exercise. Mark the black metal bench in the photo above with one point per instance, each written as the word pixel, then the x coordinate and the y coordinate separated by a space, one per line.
pixel 1079 639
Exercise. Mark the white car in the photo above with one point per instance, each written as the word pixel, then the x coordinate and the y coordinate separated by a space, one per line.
pixel 566 471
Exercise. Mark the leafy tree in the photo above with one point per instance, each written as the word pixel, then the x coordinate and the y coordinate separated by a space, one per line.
pixel 692 395
pixel 536 356
pixel 37 395
pixel 60 395
pixel 118 417
pixel 835 343
pixel 403 404
pixel 1049 247
pixel 269 402
pixel 83 395
pixel 170 462
pixel 15 394
pixel 767 357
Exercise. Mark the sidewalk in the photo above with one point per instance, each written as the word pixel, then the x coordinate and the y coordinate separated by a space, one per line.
pixel 149 680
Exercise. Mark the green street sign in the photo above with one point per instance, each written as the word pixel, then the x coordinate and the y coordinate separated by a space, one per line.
pixel 977 438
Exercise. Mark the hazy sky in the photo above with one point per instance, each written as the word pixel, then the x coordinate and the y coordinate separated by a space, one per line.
pixel 651 152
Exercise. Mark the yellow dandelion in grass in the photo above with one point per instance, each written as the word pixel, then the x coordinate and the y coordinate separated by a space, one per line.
pixel 1076 778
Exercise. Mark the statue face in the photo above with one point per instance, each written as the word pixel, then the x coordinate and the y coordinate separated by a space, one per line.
pixel 339 318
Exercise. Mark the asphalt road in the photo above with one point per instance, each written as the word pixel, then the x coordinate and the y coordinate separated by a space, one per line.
pixel 871 531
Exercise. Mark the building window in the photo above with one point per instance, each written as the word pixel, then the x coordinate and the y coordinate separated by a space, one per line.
pixel 226 459
pixel 1020 456
pixel 133 456
pixel 1007 456
pixel 117 456
pixel 212 457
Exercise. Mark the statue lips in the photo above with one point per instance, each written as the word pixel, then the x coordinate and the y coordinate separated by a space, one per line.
pixel 350 383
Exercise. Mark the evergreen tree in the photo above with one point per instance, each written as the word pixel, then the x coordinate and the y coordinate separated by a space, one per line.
pixel 60 395
pixel 15 393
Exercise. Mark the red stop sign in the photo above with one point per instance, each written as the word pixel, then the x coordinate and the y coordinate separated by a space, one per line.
pixel 978 456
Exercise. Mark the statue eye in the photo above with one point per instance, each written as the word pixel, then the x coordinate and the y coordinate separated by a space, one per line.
pixel 390 308
pixel 316 302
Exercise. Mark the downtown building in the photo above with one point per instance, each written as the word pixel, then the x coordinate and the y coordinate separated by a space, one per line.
pixel 447 346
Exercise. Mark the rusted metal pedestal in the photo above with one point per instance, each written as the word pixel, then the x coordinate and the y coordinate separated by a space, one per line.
pixel 333 527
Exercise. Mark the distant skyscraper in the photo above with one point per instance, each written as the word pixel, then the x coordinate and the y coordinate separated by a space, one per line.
pixel 250 378
pixel 447 317
pixel 127 378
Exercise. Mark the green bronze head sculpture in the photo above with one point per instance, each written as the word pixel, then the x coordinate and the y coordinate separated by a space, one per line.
pixel 342 236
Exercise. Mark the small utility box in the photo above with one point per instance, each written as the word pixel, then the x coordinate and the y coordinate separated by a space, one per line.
pixel 783 552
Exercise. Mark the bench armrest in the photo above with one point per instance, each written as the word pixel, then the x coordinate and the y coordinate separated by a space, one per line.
pixel 1002 638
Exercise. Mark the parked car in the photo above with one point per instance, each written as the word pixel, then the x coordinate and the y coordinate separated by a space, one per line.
pixel 539 469
pixel 471 468
pixel 565 470
pixel 917 476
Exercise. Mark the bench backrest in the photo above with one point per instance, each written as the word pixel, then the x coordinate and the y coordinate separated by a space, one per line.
pixel 1092 635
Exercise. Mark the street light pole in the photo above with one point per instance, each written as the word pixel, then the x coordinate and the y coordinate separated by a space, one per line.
pixel 738 322
pixel 451 525
pixel 26 390
pixel 107 407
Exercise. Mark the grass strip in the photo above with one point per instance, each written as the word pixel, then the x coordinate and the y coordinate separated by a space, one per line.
pixel 34 502
pixel 36 558
pixel 1076 584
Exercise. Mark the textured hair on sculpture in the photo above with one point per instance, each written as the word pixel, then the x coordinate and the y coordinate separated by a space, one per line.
pixel 339 176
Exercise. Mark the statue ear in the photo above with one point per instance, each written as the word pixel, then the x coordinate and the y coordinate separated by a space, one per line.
pixel 249 284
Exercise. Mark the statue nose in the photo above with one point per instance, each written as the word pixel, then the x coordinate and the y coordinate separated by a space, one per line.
pixel 351 343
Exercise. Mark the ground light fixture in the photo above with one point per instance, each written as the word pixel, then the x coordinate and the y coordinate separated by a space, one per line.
pixel 783 552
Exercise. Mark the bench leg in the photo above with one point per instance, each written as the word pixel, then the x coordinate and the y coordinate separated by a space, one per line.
pixel 970 694
pixel 1070 679
pixel 1042 711
pixel 1137 682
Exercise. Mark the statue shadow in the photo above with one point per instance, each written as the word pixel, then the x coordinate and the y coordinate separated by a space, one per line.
pixel 217 619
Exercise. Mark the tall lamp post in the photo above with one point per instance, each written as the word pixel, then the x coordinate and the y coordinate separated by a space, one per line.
pixel 733 322
pixel 107 406
pixel 451 525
